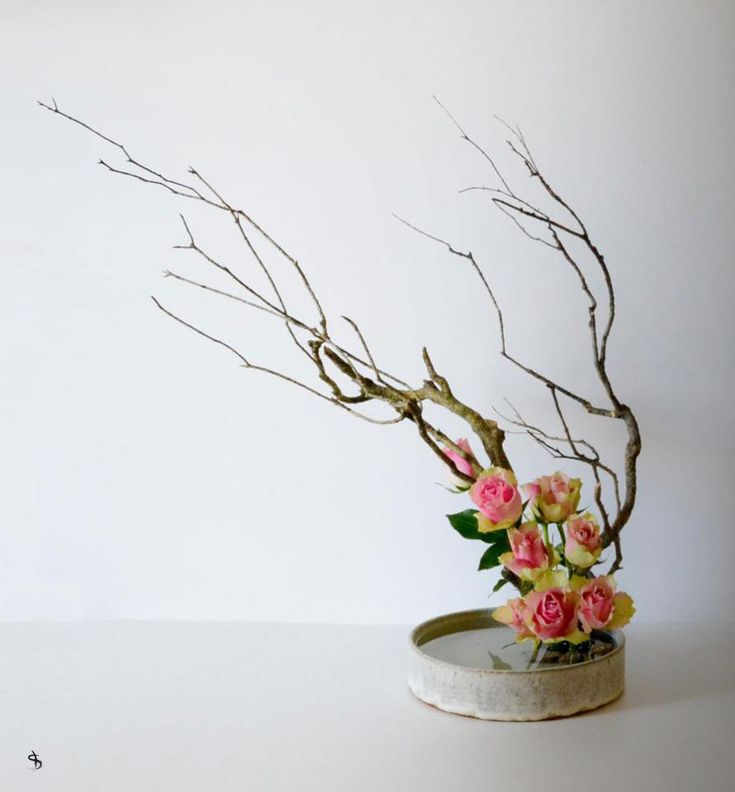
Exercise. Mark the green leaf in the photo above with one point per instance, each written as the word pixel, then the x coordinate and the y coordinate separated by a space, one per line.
pixel 500 584
pixel 465 524
pixel 491 556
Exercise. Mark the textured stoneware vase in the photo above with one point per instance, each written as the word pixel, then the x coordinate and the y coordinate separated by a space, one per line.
pixel 549 691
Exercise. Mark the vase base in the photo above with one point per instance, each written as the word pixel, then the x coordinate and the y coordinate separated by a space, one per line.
pixel 467 664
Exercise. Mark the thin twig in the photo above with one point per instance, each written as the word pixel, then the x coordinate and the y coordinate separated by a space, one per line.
pixel 246 363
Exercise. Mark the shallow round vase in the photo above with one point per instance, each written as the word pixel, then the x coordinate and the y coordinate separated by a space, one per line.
pixel 461 663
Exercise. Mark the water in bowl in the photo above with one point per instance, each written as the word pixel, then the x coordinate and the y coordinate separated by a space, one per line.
pixel 496 649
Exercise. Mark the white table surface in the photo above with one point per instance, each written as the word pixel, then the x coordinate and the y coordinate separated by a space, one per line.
pixel 215 706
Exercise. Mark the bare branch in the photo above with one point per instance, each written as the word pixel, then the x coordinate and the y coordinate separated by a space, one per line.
pixel 214 340
pixel 161 179
pixel 509 202
pixel 586 289
pixel 265 370
pixel 239 213
pixel 542 218
pixel 546 439
pixel 316 348
pixel 441 382
pixel 193 246
pixel 474 144
pixel 213 290
pixel 501 322
pixel 365 347
pixel 594 462
pixel 367 381
pixel 523 228
pixel 162 182
pixel 469 257
pixel 505 194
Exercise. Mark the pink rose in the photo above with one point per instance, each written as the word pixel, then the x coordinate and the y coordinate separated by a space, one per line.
pixel 596 604
pixel 528 551
pixel 552 613
pixel 600 606
pixel 553 498
pixel 462 464
pixel 584 543
pixel 515 614
pixel 495 493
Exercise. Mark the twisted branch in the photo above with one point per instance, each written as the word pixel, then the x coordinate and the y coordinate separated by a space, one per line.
pixel 517 207
pixel 336 366
pixel 369 381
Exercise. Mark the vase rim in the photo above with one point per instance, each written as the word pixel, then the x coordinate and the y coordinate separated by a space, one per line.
pixel 481 618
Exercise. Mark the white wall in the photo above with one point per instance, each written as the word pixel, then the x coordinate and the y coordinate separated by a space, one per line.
pixel 145 475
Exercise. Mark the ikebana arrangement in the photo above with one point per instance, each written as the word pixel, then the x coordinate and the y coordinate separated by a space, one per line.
pixel 537 535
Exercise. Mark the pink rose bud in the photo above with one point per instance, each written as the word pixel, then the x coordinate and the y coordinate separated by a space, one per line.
pixel 515 614
pixel 462 464
pixel 601 607
pixel 584 543
pixel 528 551
pixel 553 613
pixel 553 498
pixel 495 493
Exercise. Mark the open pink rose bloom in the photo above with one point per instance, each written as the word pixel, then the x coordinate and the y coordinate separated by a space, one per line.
pixel 553 613
pixel 496 495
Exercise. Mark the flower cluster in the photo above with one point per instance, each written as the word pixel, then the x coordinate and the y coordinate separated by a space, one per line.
pixel 561 599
